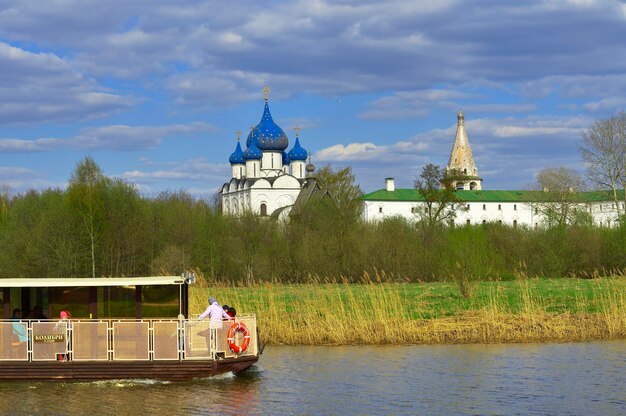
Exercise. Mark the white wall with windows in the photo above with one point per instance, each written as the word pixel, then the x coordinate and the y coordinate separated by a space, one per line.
pixel 481 212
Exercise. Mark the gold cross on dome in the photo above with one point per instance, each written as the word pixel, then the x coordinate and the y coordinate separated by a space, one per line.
pixel 238 134
pixel 297 129
pixel 266 92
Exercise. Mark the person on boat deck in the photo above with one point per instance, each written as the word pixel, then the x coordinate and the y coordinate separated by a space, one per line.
pixel 61 326
pixel 215 313
pixel 230 310
pixel 20 332
pixel 37 313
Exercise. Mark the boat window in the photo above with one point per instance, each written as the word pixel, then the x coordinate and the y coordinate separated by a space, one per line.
pixel 116 302
pixel 159 301
pixel 73 299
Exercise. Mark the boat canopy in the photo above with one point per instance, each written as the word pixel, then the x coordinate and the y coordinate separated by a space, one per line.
pixel 91 282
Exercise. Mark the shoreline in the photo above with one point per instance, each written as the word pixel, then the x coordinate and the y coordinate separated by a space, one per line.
pixel 556 328
pixel 537 310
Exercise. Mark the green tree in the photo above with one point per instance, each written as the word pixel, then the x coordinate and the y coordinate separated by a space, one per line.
pixel 340 215
pixel 86 195
pixel 436 186
pixel 123 250
pixel 342 186
pixel 4 200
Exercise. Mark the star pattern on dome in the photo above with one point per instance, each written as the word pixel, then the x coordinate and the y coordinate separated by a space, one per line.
pixel 252 152
pixel 267 134
pixel 237 156
pixel 297 152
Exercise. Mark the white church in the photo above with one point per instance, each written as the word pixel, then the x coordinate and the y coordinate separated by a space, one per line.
pixel 266 179
pixel 270 181
pixel 481 206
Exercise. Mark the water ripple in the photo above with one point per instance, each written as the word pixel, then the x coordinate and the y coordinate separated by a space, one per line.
pixel 509 379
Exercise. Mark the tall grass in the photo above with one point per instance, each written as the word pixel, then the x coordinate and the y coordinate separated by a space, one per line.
pixel 376 311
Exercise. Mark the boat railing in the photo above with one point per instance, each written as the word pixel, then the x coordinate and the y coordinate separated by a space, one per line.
pixel 125 339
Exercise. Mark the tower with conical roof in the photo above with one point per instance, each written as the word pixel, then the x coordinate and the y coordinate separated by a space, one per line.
pixel 462 159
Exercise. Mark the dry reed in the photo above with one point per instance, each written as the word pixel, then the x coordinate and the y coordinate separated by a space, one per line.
pixel 379 312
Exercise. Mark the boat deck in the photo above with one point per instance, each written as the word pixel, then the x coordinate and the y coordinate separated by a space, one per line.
pixel 123 348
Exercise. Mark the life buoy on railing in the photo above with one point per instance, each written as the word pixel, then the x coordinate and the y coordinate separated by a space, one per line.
pixel 238 327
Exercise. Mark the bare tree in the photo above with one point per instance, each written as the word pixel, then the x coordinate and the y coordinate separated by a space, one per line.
pixel 561 196
pixel 603 149
pixel 4 198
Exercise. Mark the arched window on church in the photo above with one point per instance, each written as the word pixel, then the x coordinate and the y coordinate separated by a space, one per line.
pixel 263 209
pixel 460 186
pixel 472 185
pixel 465 171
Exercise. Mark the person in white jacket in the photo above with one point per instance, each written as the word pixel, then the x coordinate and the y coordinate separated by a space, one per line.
pixel 215 313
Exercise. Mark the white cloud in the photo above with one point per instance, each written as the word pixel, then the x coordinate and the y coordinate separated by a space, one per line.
pixel 117 137
pixel 370 152
pixel 16 179
pixel 194 170
pixel 230 38
pixel 508 152
pixel 222 52
pixel 41 87
pixel 606 104
pixel 199 177
pixel 421 103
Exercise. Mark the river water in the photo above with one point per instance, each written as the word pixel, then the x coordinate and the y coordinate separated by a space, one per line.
pixel 506 379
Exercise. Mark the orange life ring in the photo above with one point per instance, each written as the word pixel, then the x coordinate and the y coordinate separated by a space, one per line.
pixel 238 327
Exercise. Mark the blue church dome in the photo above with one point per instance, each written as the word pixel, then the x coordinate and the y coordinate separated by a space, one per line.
pixel 252 152
pixel 297 152
pixel 237 156
pixel 285 158
pixel 267 134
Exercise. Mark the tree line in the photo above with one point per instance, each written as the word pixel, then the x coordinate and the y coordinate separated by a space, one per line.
pixel 100 226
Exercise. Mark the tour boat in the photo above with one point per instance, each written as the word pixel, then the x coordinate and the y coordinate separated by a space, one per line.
pixel 120 328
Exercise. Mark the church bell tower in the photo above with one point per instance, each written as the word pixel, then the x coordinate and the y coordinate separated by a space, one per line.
pixel 462 159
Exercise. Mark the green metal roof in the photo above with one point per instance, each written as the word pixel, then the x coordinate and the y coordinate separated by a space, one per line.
pixel 485 196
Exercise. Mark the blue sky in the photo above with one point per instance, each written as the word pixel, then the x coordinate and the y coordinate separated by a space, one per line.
pixel 155 91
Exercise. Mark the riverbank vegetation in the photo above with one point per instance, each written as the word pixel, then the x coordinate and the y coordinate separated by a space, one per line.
pixel 377 311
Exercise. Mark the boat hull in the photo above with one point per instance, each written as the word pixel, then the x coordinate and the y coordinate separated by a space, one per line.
pixel 113 370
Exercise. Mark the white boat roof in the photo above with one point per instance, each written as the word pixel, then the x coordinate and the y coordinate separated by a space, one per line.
pixel 90 281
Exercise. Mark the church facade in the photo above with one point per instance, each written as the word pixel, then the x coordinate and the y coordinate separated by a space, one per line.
pixel 479 206
pixel 266 179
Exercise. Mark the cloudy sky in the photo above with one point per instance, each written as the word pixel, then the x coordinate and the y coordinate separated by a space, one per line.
pixel 155 91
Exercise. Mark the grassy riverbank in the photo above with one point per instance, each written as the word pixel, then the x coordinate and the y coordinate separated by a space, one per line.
pixel 374 312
